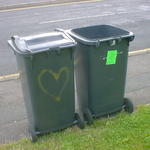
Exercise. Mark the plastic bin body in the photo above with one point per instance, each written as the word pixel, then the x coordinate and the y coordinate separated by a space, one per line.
pixel 47 76
pixel 100 67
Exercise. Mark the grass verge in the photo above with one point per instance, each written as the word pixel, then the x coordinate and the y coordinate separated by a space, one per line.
pixel 121 132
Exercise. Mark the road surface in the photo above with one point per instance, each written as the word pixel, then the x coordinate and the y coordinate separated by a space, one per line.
pixel 131 15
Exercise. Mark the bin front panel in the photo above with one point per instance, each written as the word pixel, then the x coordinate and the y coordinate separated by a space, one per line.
pixel 51 81
pixel 107 72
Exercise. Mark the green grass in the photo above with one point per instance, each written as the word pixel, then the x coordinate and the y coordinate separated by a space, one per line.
pixel 121 132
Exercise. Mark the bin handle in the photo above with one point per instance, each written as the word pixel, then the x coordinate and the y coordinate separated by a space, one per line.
pixel 13 46
pixel 63 31
pixel 13 38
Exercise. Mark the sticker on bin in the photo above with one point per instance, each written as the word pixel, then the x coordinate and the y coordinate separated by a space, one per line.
pixel 111 57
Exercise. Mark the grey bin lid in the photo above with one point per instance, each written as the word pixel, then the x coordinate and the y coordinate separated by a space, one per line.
pixel 42 42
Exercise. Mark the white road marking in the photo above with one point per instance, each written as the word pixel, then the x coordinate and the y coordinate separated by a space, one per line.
pixel 86 17
pixel 77 18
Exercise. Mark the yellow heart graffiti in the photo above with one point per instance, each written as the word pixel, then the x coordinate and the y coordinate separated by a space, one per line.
pixel 56 76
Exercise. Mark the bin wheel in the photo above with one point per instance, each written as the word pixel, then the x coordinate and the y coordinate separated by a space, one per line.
pixel 33 136
pixel 128 105
pixel 80 123
pixel 88 117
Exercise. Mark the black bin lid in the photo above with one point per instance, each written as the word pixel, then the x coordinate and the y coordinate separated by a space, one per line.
pixel 93 34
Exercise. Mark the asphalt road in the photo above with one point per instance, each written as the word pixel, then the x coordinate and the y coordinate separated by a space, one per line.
pixel 18 2
pixel 132 15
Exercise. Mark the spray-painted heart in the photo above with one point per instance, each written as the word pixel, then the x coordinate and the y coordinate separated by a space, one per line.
pixel 56 76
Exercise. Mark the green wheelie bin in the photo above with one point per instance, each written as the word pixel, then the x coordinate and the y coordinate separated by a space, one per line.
pixel 100 69
pixel 45 64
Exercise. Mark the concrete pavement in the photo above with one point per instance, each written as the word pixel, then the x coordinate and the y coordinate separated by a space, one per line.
pixel 13 119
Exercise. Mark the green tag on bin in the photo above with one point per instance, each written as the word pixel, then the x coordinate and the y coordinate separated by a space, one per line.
pixel 111 57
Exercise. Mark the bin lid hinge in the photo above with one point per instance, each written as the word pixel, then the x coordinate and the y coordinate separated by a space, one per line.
pixel 98 43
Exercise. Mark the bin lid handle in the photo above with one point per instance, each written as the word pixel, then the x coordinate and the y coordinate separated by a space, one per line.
pixel 66 34
pixel 15 39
